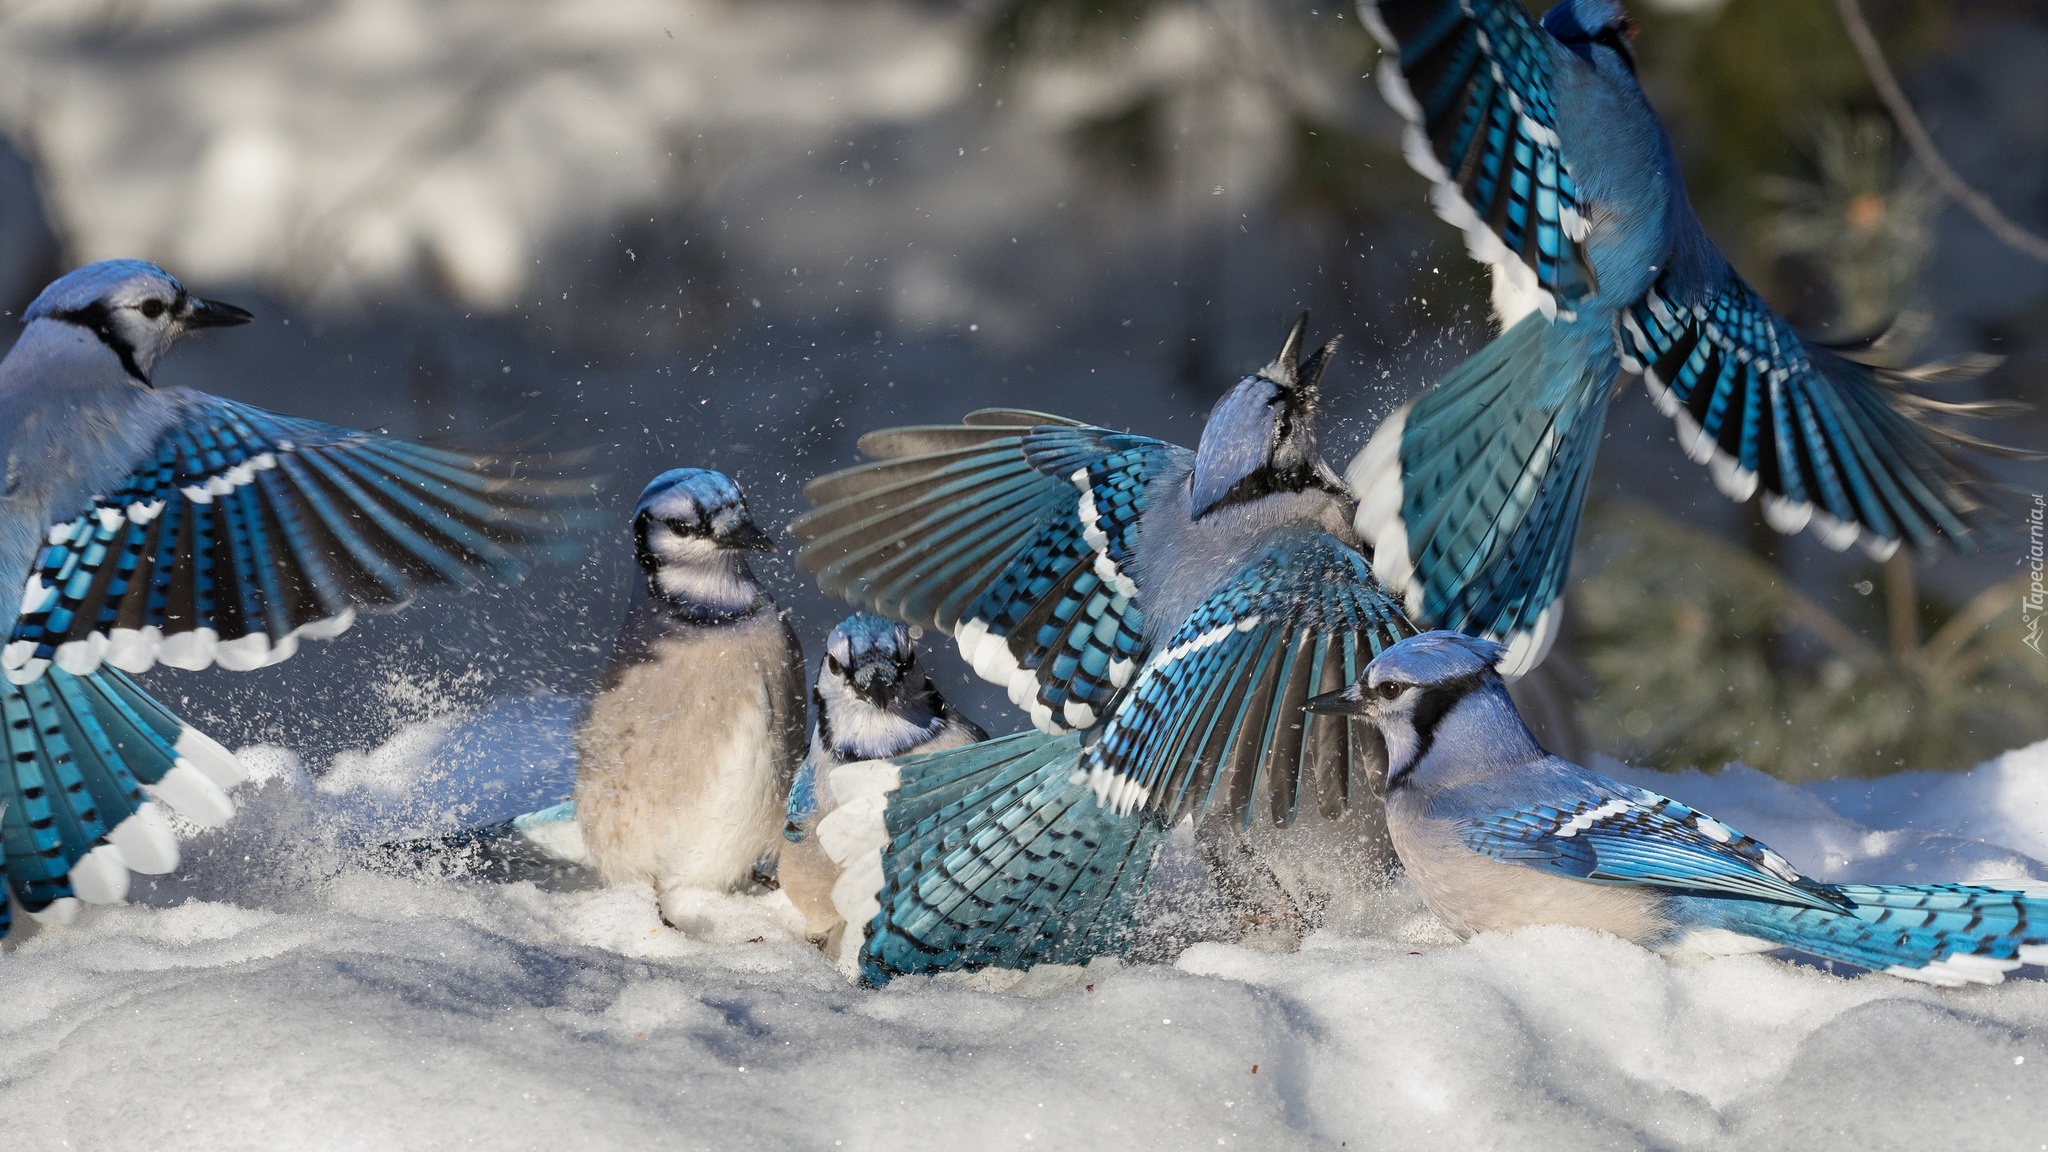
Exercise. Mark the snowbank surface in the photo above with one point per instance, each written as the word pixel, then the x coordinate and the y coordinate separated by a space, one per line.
pixel 276 996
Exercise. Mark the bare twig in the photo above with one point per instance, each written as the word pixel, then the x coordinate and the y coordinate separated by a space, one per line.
pixel 1945 177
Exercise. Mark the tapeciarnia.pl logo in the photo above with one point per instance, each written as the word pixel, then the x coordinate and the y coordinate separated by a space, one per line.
pixel 2034 605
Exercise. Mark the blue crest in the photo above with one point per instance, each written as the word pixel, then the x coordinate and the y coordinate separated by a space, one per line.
pixel 1435 658
pixel 81 289
pixel 1579 24
pixel 694 495
pixel 1237 441
pixel 864 636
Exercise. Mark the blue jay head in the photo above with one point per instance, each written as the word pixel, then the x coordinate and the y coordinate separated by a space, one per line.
pixel 693 518
pixel 1581 25
pixel 1261 437
pixel 1409 687
pixel 134 307
pixel 872 658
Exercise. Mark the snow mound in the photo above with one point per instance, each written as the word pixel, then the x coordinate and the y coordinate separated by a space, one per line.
pixel 332 1007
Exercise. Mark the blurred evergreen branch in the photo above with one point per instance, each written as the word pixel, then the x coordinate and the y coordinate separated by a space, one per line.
pixel 1702 653
pixel 1860 223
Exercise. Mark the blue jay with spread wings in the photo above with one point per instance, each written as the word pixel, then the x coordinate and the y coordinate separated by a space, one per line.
pixel 872 700
pixel 144 525
pixel 1544 150
pixel 1498 834
pixel 1161 614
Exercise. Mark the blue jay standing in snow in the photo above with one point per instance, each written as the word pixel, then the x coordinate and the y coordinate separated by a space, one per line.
pixel 872 700
pixel 1176 606
pixel 685 758
pixel 142 525
pixel 1545 152
pixel 1498 834
pixel 684 763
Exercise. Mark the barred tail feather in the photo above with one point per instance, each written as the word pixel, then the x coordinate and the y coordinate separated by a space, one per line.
pixel 88 760
pixel 997 854
pixel 1949 934
pixel 544 848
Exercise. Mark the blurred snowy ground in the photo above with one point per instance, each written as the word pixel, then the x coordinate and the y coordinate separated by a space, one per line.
pixel 274 996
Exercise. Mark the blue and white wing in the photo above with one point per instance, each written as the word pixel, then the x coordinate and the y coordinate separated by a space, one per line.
pixel 1471 494
pixel 1473 78
pixel 90 759
pixel 1623 835
pixel 247 530
pixel 1216 719
pixel 1011 532
pixel 1834 445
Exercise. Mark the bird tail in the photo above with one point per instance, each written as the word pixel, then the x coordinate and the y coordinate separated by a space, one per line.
pixel 544 847
pixel 88 757
pixel 1937 933
pixel 997 854
pixel 1471 494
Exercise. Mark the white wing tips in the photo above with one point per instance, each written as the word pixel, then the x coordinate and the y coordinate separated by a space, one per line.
pixel 1374 477
pixel 1957 970
pixel 101 876
pixel 989 655
pixel 1527 649
pixel 146 841
pixel 194 795
pixel 137 650
pixel 206 754
pixel 1787 516
pixel 854 836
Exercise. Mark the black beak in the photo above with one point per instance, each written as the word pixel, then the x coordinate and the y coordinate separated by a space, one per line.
pixel 745 537
pixel 214 314
pixel 1350 701
pixel 876 681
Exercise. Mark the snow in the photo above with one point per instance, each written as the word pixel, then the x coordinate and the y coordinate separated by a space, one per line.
pixel 278 995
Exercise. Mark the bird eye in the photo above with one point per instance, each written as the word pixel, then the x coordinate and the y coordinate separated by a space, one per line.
pixel 1391 690
pixel 152 308
pixel 833 663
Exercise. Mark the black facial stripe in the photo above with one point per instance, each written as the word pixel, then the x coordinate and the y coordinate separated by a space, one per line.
pixel 824 718
pixel 1299 476
pixel 1615 38
pixel 1437 700
pixel 98 319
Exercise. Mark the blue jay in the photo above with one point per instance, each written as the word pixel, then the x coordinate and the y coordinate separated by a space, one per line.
pixel 143 525
pixel 1543 149
pixel 684 763
pixel 1498 834
pixel 872 701
pixel 1175 606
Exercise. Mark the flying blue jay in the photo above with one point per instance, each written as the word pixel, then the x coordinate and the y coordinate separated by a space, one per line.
pixel 1175 606
pixel 1545 152
pixel 1498 834
pixel 872 701
pixel 143 525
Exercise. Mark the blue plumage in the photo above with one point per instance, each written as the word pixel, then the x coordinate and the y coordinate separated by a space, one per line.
pixel 144 524
pixel 1178 605
pixel 1022 525
pixel 88 759
pixel 1471 496
pixel 1497 834
pixel 236 531
pixel 872 701
pixel 998 856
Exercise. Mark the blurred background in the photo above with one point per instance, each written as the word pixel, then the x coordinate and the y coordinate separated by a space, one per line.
pixel 736 233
